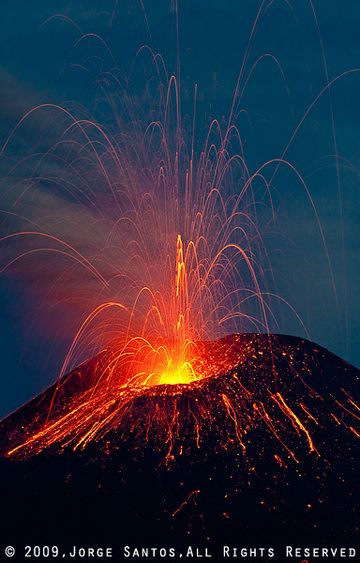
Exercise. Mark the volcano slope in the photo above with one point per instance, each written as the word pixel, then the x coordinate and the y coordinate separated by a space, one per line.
pixel 264 453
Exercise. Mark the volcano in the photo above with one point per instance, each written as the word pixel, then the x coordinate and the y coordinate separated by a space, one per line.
pixel 262 453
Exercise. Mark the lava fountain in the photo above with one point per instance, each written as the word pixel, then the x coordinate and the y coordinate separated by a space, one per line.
pixel 174 250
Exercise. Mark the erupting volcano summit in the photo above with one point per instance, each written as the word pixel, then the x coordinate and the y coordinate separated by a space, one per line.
pixel 271 434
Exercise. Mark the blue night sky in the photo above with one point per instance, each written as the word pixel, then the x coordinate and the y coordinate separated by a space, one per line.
pixel 41 62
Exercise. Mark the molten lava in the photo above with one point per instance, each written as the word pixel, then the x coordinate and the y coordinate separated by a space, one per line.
pixel 178 374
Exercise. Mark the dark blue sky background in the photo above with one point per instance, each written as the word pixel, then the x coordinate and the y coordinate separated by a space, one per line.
pixel 40 62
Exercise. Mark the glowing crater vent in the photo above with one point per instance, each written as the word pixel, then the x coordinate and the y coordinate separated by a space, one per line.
pixel 177 374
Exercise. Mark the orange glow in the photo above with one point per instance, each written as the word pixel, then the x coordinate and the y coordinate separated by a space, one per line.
pixel 178 374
